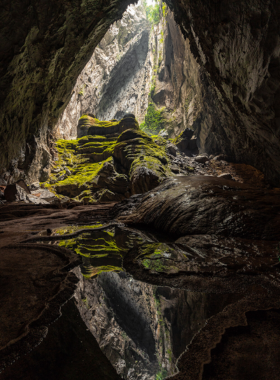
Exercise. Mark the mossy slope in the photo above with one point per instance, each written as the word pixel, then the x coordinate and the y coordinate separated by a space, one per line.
pixel 108 167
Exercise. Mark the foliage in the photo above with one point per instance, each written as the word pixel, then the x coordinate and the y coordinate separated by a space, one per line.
pixel 164 10
pixel 161 374
pixel 81 92
pixel 153 119
pixel 152 13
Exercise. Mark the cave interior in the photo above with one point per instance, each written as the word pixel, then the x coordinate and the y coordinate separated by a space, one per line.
pixel 140 189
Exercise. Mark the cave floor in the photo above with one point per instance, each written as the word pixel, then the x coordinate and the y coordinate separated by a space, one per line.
pixel 239 338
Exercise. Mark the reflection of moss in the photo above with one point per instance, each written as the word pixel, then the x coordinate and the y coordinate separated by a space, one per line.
pixel 88 245
pixel 71 229
pixel 97 270
pixel 101 250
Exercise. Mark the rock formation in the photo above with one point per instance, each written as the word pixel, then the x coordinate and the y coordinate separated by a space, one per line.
pixel 168 239
pixel 109 163
pixel 110 85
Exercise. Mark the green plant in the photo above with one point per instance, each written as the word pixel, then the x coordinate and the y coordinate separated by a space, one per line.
pixel 164 10
pixel 161 374
pixel 153 118
pixel 81 92
pixel 152 13
pixel 85 301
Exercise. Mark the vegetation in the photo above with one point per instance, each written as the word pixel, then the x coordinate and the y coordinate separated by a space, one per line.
pixel 164 9
pixel 154 119
pixel 152 12
pixel 81 92
pixel 161 374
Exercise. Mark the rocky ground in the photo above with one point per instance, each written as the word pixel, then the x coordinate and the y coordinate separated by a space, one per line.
pixel 206 225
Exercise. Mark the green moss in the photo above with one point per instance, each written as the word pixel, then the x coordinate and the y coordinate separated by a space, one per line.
pixel 154 119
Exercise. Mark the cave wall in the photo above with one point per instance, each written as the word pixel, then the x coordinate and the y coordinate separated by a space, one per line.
pixel 177 86
pixel 238 46
pixel 116 76
pixel 142 328
pixel 44 45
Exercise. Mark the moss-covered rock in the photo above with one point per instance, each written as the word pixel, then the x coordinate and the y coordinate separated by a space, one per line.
pixel 146 162
pixel 104 168
pixel 91 126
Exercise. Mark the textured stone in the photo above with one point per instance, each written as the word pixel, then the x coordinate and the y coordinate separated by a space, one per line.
pixel 15 193
pixel 225 176
pixel 201 159
pixel 200 205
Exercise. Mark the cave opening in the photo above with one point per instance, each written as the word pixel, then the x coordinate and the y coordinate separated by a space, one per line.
pixel 139 189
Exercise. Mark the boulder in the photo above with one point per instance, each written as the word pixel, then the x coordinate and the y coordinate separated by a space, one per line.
pixel 67 171
pixel 36 200
pixel 201 159
pixel 163 133
pixel 35 186
pixel 220 157
pixel 225 176
pixel 172 149
pixel 15 193
pixel 23 185
pixel 43 194
pixel 186 142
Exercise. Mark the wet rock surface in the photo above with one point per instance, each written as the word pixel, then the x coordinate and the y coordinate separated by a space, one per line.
pixel 55 357
pixel 209 205
pixel 235 272
pixel 33 300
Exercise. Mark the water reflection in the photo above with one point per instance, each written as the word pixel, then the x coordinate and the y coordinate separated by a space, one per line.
pixel 144 328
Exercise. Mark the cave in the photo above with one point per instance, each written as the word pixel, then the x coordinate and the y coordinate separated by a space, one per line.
pixel 140 189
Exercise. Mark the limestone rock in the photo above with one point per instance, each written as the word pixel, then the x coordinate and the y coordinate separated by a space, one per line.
pixel 15 193
pixel 186 142
pixel 67 171
pixel 23 185
pixel 220 157
pixel 225 176
pixel 106 195
pixel 34 186
pixel 109 178
pixel 201 159
pixel 210 205
pixel 172 149
pixel 163 133
pixel 143 180
pixel 36 200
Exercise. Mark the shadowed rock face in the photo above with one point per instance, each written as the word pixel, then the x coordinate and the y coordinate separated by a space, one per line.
pixel 237 45
pixel 68 350
pixel 44 47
